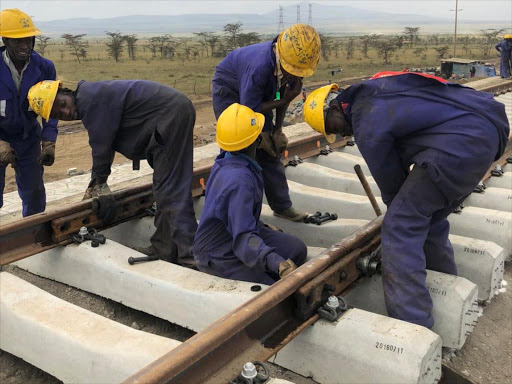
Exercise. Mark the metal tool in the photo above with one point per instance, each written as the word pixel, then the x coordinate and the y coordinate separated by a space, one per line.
pixel 367 189
pixel 142 259
pixel 318 218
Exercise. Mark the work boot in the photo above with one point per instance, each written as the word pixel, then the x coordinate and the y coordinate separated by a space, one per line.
pixel 292 214
pixel 148 251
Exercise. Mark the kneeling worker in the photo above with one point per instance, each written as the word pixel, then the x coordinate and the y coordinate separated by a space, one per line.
pixel 141 120
pixel 451 134
pixel 231 241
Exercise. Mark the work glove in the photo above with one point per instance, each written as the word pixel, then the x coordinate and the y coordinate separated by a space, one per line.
pixel 103 202
pixel 280 141
pixel 267 144
pixel 47 156
pixel 286 267
pixel 8 155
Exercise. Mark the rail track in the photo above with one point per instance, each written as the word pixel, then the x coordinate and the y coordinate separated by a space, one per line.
pixel 235 322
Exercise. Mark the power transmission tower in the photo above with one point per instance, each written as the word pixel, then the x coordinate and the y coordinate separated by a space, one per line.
pixel 456 10
pixel 281 19
pixel 298 13
pixel 310 18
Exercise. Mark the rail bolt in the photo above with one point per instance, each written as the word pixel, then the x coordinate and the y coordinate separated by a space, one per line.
pixel 249 371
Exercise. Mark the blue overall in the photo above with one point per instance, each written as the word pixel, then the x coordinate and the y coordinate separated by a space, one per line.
pixel 231 241
pixel 505 50
pixel 147 120
pixel 452 134
pixel 20 128
pixel 247 76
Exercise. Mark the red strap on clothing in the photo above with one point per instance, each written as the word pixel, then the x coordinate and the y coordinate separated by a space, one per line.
pixel 395 73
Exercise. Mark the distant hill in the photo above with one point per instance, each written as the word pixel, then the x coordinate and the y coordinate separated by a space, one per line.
pixel 326 18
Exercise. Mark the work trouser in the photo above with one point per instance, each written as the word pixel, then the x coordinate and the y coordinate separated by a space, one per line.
pixel 274 181
pixel 505 65
pixel 170 154
pixel 30 176
pixel 231 267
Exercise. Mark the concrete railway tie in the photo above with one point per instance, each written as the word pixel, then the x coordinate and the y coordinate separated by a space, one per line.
pixel 75 345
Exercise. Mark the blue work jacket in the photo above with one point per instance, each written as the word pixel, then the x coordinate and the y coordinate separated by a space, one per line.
pixel 17 122
pixel 410 119
pixel 121 115
pixel 248 73
pixel 505 48
pixel 230 219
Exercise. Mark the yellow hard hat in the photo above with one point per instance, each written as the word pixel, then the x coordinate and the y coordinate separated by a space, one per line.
pixel 41 97
pixel 238 127
pixel 16 24
pixel 314 110
pixel 508 36
pixel 299 50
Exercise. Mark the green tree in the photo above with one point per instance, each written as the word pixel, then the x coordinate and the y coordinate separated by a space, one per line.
pixel 385 49
pixel 42 43
pixel 115 45
pixel 233 30
pixel 76 44
pixel 442 51
pixel 130 43
pixel 412 34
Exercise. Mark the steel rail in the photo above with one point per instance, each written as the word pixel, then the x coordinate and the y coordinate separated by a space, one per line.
pixel 258 328
pixel 43 231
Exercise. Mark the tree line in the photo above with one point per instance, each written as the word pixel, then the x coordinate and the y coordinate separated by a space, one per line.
pixel 212 44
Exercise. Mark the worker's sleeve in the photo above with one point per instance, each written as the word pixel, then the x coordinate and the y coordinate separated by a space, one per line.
pixel 498 47
pixel 102 125
pixel 251 91
pixel 378 147
pixel 248 246
pixel 49 132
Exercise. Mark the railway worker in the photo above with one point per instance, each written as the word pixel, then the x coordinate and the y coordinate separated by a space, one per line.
pixel 23 142
pixel 505 50
pixel 450 133
pixel 267 77
pixel 231 241
pixel 141 120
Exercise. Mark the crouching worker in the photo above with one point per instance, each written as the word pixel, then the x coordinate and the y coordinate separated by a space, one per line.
pixel 451 134
pixel 231 241
pixel 141 120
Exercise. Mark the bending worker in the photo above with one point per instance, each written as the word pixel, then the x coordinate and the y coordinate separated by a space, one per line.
pixel 141 120
pixel 450 133
pixel 231 241
pixel 505 50
pixel 267 77
pixel 23 142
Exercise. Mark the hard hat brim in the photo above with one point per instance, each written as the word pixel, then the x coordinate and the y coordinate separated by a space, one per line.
pixel 21 34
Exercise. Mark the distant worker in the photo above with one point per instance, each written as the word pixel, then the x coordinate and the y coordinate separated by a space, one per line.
pixel 449 133
pixel 267 77
pixel 141 120
pixel 505 50
pixel 23 142
pixel 231 241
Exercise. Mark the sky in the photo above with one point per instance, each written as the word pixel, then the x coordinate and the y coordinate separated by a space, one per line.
pixel 45 10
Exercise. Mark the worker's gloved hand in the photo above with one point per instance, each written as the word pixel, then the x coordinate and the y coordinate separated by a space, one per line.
pixel 8 155
pixel 103 202
pixel 267 144
pixel 286 267
pixel 47 156
pixel 280 141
